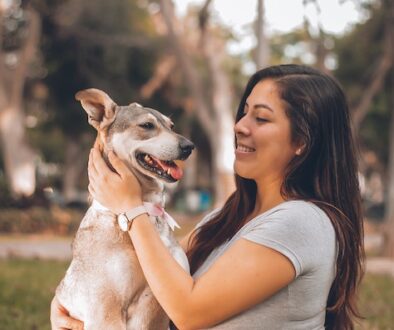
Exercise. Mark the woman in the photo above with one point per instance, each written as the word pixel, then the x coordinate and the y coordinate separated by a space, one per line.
pixel 286 249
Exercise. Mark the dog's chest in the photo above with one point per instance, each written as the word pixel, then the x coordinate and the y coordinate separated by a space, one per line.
pixel 105 267
pixel 104 264
pixel 170 242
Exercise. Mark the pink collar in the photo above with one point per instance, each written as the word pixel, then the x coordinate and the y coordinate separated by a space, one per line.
pixel 158 211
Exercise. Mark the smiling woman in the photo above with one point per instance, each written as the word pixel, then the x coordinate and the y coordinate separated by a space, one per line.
pixel 264 146
pixel 298 194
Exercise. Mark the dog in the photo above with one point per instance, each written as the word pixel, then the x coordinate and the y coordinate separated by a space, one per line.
pixel 104 285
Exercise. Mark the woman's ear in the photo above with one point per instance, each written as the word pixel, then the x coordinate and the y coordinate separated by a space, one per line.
pixel 98 105
pixel 300 149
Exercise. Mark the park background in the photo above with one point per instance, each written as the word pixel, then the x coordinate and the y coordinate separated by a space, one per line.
pixel 191 61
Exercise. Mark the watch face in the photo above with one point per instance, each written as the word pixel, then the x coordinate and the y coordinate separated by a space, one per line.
pixel 123 222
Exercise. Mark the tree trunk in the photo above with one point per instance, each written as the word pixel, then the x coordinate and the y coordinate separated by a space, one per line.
pixel 19 162
pixel 262 48
pixel 317 41
pixel 389 216
pixel 218 126
pixel 223 144
pixel 389 244
pixel 74 165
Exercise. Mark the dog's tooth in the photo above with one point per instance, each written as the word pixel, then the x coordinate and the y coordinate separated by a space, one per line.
pixel 146 158
pixel 169 171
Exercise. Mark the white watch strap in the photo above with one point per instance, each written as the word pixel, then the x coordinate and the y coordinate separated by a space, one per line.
pixel 135 212
pixel 125 219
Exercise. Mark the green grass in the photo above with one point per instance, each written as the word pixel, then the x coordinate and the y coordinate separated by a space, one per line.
pixel 377 302
pixel 26 290
pixel 27 287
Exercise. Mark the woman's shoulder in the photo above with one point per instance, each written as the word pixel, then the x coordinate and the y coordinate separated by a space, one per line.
pixel 298 229
pixel 295 215
pixel 297 208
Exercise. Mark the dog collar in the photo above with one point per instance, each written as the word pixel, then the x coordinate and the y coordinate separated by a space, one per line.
pixel 98 206
pixel 158 211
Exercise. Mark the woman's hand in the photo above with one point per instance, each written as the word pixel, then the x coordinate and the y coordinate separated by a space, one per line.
pixel 118 191
pixel 60 318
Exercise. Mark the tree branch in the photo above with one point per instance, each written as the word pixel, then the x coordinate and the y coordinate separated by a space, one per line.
pixel 108 40
pixel 384 65
pixel 190 74
pixel 162 72
pixel 26 55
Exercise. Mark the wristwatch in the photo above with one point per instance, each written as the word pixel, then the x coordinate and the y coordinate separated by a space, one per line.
pixel 126 219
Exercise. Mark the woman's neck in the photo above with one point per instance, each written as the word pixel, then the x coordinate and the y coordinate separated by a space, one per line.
pixel 268 195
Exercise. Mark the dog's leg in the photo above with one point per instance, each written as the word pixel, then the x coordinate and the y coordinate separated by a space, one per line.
pixel 101 325
pixel 108 316
pixel 147 314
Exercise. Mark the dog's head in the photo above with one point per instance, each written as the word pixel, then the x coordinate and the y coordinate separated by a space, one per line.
pixel 142 137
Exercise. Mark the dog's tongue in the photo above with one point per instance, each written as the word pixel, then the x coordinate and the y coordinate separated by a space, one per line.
pixel 175 171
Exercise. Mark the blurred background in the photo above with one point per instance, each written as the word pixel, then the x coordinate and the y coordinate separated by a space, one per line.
pixel 191 61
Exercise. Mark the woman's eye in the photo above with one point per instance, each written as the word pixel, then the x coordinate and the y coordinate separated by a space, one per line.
pixel 261 120
pixel 147 125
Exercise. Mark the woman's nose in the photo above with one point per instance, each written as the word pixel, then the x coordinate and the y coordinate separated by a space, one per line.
pixel 241 127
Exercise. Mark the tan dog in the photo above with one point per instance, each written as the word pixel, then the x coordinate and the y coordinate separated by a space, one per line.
pixel 104 285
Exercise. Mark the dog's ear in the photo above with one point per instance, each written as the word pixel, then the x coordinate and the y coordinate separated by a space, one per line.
pixel 98 105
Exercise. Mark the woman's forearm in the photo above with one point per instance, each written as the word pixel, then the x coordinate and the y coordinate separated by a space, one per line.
pixel 169 282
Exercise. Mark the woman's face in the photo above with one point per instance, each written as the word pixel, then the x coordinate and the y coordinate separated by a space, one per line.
pixel 264 147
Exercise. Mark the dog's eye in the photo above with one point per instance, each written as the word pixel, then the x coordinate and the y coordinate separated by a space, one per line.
pixel 147 125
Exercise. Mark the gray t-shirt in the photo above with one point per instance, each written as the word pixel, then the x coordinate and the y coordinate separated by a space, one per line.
pixel 304 234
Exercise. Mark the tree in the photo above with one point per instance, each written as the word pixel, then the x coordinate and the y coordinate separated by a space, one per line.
pixel 107 45
pixel 19 37
pixel 263 47
pixel 389 246
pixel 214 113
pixel 365 68
pixel 389 216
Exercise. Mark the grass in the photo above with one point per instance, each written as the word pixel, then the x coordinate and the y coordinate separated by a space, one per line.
pixel 27 287
pixel 26 290
pixel 377 302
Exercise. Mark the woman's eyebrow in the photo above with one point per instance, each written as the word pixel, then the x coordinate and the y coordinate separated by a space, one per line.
pixel 260 105
pixel 264 106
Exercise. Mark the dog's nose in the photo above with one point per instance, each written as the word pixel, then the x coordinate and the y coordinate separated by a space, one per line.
pixel 186 147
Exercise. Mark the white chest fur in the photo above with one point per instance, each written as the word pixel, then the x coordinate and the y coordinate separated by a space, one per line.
pixel 165 232
pixel 104 285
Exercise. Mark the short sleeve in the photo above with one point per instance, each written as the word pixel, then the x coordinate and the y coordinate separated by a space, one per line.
pixel 299 230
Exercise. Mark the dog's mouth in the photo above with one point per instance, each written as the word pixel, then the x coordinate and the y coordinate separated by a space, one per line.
pixel 164 169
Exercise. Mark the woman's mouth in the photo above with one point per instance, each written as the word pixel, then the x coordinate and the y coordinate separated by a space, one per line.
pixel 244 149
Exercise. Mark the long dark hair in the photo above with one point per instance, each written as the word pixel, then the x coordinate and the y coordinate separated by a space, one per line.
pixel 326 174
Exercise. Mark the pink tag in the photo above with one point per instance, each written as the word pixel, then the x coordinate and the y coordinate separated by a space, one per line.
pixel 157 211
